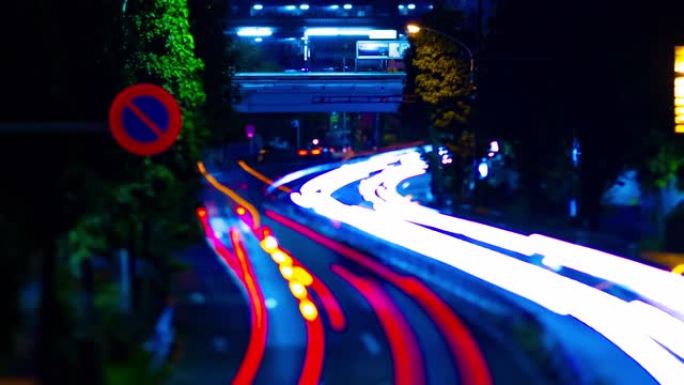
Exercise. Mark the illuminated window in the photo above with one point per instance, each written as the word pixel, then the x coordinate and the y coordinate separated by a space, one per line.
pixel 679 60
pixel 254 31
pixel 679 90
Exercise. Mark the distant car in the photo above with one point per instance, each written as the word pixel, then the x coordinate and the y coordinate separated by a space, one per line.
pixel 317 152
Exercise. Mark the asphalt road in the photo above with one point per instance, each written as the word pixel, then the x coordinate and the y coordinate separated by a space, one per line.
pixel 362 353
pixel 401 326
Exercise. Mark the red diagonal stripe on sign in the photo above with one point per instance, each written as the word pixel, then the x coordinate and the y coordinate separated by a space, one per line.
pixel 147 121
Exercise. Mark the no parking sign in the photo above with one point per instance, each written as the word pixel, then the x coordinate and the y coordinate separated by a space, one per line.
pixel 145 119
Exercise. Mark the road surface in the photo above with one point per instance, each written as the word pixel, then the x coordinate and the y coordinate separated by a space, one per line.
pixel 348 281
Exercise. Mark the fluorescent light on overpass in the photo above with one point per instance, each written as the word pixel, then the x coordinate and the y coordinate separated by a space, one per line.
pixel 411 6
pixel 257 7
pixel 254 31
pixel 290 7
pixel 383 34
pixel 336 31
pixel 347 6
pixel 334 7
pixel 304 7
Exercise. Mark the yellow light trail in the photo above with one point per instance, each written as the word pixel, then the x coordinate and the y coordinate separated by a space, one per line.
pixel 261 176
pixel 256 219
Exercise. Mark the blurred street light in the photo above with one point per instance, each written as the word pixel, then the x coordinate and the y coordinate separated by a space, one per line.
pixel 413 28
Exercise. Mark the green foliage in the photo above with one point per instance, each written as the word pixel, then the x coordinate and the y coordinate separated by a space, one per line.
pixel 161 51
pixel 439 70
pixel 78 195
pixel 443 79
pixel 84 240
pixel 145 204
pixel 439 74
pixel 463 146
pixel 154 196
pixel 666 165
pixel 135 371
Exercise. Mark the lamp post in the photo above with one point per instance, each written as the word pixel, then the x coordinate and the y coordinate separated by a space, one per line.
pixel 414 29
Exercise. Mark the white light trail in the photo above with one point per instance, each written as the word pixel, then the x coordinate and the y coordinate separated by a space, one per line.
pixel 608 315
pixel 653 284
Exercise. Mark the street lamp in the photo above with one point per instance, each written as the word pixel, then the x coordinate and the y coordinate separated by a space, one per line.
pixel 414 29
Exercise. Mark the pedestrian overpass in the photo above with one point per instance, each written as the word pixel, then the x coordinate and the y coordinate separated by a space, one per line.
pixel 285 92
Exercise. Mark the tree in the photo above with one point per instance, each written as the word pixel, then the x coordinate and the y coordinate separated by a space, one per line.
pixel 440 75
pixel 442 80
pixel 161 51
pixel 554 72
pixel 518 97
pixel 441 71
pixel 73 196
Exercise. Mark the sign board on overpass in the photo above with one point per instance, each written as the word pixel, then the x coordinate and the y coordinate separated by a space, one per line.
pixel 381 49
pixel 319 92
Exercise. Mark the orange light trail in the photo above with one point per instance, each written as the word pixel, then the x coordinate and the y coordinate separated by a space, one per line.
pixel 253 212
pixel 261 176
pixel 313 362
pixel 330 304
pixel 296 270
pixel 298 279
